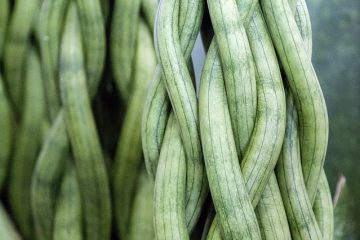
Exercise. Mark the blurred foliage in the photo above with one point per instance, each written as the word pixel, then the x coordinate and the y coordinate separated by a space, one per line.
pixel 336 58
pixel 343 226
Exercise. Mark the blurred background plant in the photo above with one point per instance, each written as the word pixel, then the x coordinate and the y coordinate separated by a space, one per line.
pixel 343 224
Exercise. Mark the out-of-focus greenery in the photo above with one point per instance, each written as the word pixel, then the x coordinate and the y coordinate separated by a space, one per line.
pixel 343 226
pixel 336 58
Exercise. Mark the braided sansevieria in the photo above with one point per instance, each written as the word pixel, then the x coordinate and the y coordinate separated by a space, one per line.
pixel 75 94
pixel 133 62
pixel 169 133
pixel 72 128
pixel 28 137
pixel 308 98
pixel 239 158
pixel 271 224
pixel 55 150
pixel 317 218
pixel 262 150
pixel 22 105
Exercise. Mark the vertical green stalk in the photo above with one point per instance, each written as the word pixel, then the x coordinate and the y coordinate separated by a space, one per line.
pixel 271 213
pixel 141 221
pixel 128 157
pixel 149 9
pixel 51 20
pixel 298 206
pixel 15 49
pixel 47 177
pixel 4 15
pixel 6 133
pixel 324 208
pixel 238 68
pixel 67 218
pixel 28 140
pixel 123 39
pixel 93 38
pixel 170 185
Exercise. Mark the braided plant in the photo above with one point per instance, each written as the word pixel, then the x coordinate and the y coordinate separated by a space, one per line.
pixel 60 179
pixel 262 150
pixel 241 158
pixel 264 166
pixel 133 62
pixel 73 126
pixel 272 227
pixel 24 127
pixel 22 107
pixel 171 125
